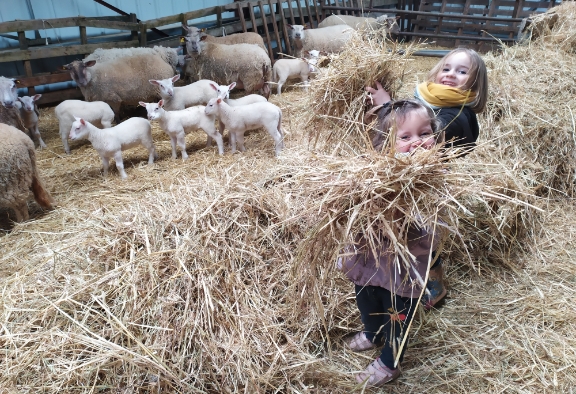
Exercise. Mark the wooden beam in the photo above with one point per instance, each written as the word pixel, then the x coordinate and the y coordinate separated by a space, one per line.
pixel 284 28
pixel 12 55
pixel 275 27
pixel 254 26
pixel 309 14
pixel 241 16
pixel 26 82
pixel 265 25
pixel 59 96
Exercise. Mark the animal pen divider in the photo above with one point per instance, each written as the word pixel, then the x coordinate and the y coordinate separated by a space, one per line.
pixel 473 23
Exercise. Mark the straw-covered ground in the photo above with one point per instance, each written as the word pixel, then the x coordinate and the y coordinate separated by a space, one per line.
pixel 217 274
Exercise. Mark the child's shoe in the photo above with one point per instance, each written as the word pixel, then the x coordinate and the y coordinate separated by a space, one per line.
pixel 435 286
pixel 377 374
pixel 359 343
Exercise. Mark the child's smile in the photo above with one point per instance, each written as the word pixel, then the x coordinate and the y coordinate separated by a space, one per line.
pixel 455 70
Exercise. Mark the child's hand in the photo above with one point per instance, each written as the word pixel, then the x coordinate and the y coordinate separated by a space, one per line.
pixel 378 96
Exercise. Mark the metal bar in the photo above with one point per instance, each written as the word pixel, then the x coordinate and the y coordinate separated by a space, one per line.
pixel 119 11
pixel 265 25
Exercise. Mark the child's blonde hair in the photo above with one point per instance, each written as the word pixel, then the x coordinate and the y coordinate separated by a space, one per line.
pixel 395 112
pixel 477 77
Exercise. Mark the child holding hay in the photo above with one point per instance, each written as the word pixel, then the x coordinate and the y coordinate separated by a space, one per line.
pixel 457 89
pixel 388 281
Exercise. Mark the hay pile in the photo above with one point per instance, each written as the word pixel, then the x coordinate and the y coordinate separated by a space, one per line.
pixel 217 275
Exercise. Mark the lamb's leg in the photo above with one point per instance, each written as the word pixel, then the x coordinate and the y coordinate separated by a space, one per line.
pixel 36 132
pixel 277 136
pixel 105 165
pixel 219 141
pixel 64 136
pixel 120 164
pixel 181 140
pixel 240 141
pixel 280 83
pixel 173 143
pixel 232 138
pixel 152 154
pixel 304 79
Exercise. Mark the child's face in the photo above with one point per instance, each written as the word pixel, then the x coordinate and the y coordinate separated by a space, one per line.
pixel 414 131
pixel 455 70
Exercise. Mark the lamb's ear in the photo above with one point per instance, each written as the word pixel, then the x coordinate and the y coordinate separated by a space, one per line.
pixel 185 27
pixel 232 86
pixel 90 63
pixel 161 103
pixel 20 99
pixel 83 122
pixel 175 78
pixel 289 25
pixel 36 97
pixel 154 82
pixel 219 100
pixel 203 38
pixel 214 86
pixel 142 104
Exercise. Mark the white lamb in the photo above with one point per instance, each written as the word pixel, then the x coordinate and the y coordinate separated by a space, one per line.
pixel 30 115
pixel 178 123
pixel 285 69
pixel 110 142
pixel 96 112
pixel 248 117
pixel 363 23
pixel 180 97
pixel 330 39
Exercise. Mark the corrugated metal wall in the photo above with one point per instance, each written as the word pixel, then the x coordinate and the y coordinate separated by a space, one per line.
pixel 48 9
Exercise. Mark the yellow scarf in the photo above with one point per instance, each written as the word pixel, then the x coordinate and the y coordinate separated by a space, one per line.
pixel 440 96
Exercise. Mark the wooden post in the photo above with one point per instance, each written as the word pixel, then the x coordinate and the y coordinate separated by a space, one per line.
pixel 27 66
pixel 318 20
pixel 143 39
pixel 265 25
pixel 309 14
pixel 284 28
pixel 275 27
pixel 83 37
pixel 241 15
pixel 292 20
pixel 251 9
pixel 301 13
pixel 134 33
pixel 219 16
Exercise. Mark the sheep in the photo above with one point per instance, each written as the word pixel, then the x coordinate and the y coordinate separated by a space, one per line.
pixel 96 112
pixel 180 97
pixel 30 115
pixel 291 68
pixel 9 111
pixel 178 123
pixel 248 117
pixel 19 174
pixel 329 39
pixel 107 76
pixel 110 142
pixel 237 38
pixel 246 64
pixel 362 23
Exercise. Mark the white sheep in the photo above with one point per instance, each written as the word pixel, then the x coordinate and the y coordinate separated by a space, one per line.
pixel 285 69
pixel 246 64
pixel 120 76
pixel 363 23
pixel 110 142
pixel 329 39
pixel 30 115
pixel 9 110
pixel 179 123
pixel 248 117
pixel 180 97
pixel 96 112
pixel 236 38
pixel 19 174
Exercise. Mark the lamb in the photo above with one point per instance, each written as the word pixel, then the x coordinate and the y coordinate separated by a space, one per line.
pixel 237 38
pixel 19 174
pixel 110 142
pixel 180 97
pixel 329 39
pixel 96 112
pixel 30 115
pixel 178 123
pixel 9 112
pixel 248 117
pixel 291 68
pixel 107 76
pixel 246 64
pixel 362 23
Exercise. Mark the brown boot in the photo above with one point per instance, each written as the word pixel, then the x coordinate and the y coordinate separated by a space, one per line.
pixel 435 286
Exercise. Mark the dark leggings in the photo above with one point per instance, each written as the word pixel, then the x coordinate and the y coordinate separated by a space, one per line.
pixel 385 317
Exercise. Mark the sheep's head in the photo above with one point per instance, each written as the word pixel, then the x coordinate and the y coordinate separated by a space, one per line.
pixel 223 91
pixel 154 110
pixel 166 86
pixel 297 32
pixel 79 71
pixel 78 129
pixel 212 107
pixel 8 91
pixel 193 39
pixel 28 103
pixel 390 24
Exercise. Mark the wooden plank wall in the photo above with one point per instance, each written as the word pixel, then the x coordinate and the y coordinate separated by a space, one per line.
pixel 261 16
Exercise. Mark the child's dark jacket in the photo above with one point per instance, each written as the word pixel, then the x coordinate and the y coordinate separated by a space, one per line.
pixel 459 124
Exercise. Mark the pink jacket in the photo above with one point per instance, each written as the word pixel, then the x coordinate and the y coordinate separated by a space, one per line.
pixel 359 263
